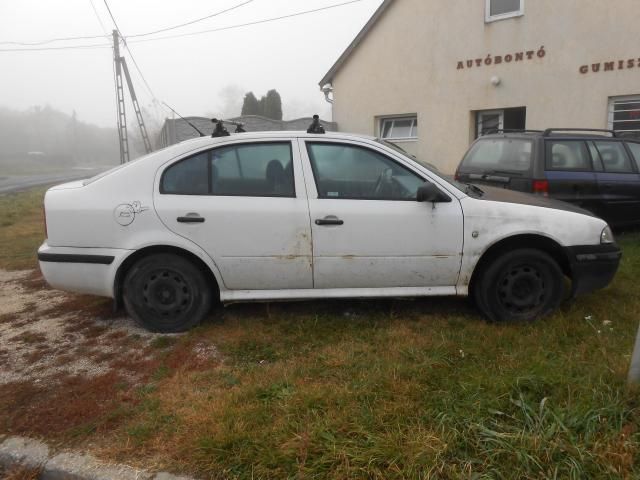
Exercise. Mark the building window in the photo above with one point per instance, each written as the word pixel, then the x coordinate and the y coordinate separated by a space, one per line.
pixel 500 9
pixel 399 128
pixel 624 115
pixel 494 121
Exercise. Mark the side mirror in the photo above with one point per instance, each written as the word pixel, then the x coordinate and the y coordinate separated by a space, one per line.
pixel 431 193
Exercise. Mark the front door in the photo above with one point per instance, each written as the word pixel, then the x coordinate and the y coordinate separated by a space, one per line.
pixel 245 204
pixel 368 229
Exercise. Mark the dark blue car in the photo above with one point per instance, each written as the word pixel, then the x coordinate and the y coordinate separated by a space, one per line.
pixel 595 169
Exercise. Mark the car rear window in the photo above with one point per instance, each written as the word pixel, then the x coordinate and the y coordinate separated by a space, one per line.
pixel 510 154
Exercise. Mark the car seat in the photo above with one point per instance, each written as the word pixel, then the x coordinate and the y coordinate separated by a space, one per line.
pixel 276 178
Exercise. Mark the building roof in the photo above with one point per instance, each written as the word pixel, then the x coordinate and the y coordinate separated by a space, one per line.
pixel 354 44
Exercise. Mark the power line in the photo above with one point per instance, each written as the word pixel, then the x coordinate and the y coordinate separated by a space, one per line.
pixel 167 37
pixel 107 35
pixel 104 29
pixel 192 21
pixel 114 20
pixel 135 64
pixel 68 47
pixel 44 42
pixel 248 24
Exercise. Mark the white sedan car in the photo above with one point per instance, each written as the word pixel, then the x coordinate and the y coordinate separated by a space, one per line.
pixel 293 216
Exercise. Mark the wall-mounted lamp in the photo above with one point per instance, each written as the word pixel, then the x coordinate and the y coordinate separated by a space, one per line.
pixel 328 90
pixel 495 81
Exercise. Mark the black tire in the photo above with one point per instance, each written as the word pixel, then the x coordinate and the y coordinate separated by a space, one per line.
pixel 166 293
pixel 520 286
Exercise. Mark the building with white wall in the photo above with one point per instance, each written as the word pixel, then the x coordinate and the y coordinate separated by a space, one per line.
pixel 432 75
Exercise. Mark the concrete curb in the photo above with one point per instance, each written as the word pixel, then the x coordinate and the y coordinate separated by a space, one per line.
pixel 69 466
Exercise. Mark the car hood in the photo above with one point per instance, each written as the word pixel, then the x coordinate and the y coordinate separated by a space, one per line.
pixel 503 195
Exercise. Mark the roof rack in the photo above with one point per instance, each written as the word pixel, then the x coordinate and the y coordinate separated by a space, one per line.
pixel 510 130
pixel 316 126
pixel 221 131
pixel 549 131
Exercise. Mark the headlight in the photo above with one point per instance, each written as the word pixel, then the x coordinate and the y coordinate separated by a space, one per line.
pixel 606 236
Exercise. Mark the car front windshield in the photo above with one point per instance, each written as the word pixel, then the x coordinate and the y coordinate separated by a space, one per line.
pixel 432 168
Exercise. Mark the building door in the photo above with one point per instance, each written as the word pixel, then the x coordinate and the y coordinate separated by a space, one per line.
pixel 490 121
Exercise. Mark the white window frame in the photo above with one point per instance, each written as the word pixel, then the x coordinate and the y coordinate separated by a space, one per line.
pixel 479 122
pixel 611 111
pixel 414 128
pixel 488 18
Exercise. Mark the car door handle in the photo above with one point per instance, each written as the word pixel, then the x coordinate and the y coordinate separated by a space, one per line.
pixel 191 218
pixel 331 220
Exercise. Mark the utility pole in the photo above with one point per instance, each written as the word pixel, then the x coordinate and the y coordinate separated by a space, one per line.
pixel 122 116
pixel 121 64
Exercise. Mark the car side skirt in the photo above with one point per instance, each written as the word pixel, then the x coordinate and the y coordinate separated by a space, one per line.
pixel 238 296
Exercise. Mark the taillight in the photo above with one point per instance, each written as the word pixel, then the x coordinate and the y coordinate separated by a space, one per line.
pixel 457 177
pixel 44 219
pixel 541 187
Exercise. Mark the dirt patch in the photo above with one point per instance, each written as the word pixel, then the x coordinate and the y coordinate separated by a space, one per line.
pixel 44 333
pixel 71 367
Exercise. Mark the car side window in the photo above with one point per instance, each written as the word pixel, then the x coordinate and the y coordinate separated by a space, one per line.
pixel 614 157
pixel 187 177
pixel 568 155
pixel 251 170
pixel 635 151
pixel 344 171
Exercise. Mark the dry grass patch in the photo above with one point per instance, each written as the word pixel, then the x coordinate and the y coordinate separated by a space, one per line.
pixel 19 472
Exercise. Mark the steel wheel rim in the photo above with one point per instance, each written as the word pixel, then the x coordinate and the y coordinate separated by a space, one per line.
pixel 522 289
pixel 166 293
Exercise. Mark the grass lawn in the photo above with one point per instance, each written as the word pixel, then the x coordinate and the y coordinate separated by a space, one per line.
pixel 378 389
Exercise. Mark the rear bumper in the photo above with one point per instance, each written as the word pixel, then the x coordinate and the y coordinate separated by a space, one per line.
pixel 81 270
pixel 593 266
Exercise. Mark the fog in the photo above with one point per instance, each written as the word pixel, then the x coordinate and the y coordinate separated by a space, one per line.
pixel 196 75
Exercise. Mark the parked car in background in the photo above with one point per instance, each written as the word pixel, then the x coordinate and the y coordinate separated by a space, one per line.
pixel 593 169
pixel 295 215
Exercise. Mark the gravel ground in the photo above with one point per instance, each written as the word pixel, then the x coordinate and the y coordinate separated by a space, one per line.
pixel 43 337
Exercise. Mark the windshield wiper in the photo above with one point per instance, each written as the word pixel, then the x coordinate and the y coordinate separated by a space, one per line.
pixel 475 189
pixel 505 172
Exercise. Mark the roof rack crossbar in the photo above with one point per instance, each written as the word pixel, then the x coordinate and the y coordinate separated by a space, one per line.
pixel 549 131
pixel 510 130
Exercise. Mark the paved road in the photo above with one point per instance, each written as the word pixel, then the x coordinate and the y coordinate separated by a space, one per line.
pixel 15 183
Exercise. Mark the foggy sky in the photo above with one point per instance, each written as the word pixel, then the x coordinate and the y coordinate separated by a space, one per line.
pixel 197 75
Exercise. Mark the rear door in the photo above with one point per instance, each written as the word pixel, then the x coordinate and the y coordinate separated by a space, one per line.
pixel 368 229
pixel 502 162
pixel 244 204
pixel 618 182
pixel 569 170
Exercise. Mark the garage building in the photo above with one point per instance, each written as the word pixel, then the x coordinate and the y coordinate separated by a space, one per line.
pixel 433 75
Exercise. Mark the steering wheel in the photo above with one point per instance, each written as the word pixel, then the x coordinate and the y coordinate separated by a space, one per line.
pixel 383 180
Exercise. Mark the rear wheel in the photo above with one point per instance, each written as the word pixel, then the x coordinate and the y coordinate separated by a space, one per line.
pixel 520 286
pixel 166 293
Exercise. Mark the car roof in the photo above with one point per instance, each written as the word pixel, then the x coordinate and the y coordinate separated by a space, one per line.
pixel 578 133
pixel 208 140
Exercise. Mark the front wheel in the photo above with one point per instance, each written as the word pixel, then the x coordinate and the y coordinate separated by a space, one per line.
pixel 520 286
pixel 166 293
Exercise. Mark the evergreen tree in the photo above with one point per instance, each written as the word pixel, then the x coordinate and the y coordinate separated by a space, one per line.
pixel 251 105
pixel 272 105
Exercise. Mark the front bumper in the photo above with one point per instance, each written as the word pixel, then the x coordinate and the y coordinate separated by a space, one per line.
pixel 592 266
